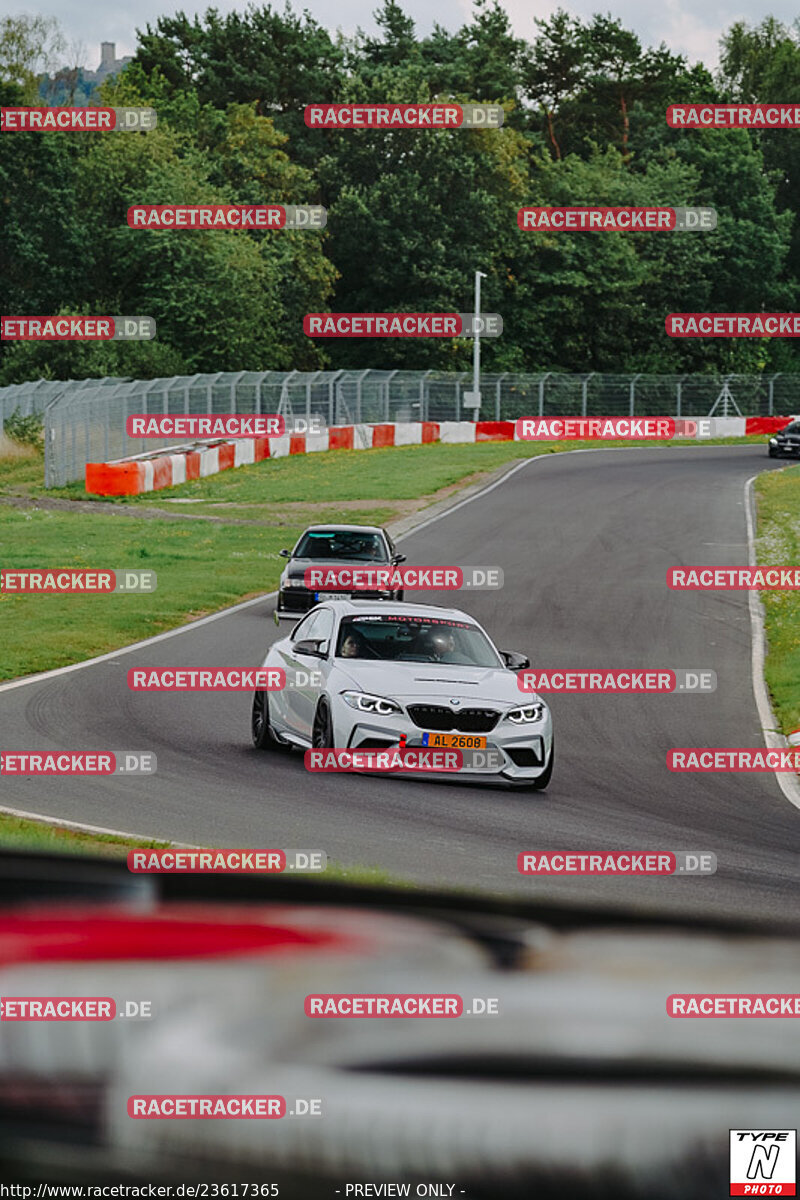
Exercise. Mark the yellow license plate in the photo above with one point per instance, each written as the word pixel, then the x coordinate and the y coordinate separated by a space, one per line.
pixel 454 741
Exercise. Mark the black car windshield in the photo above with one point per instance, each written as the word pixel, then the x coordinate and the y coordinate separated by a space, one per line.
pixel 392 638
pixel 348 544
pixel 794 428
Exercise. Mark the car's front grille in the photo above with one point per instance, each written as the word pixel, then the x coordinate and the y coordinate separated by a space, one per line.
pixel 295 600
pixel 465 720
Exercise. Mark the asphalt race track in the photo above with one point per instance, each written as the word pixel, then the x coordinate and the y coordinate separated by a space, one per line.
pixel 585 540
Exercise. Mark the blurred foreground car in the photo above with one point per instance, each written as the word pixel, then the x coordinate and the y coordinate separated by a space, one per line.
pixel 333 545
pixel 581 1085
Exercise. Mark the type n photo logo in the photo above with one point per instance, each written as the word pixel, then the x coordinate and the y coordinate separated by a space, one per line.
pixel 763 1162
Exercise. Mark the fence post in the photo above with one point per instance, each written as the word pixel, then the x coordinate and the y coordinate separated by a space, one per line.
pixel 772 393
pixel 542 382
pixel 633 391
pixel 585 392
pixel 497 396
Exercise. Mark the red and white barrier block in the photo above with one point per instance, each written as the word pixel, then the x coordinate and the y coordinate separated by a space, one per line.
pixel 157 469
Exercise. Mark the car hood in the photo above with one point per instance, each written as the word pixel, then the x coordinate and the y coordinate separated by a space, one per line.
pixel 297 567
pixel 426 682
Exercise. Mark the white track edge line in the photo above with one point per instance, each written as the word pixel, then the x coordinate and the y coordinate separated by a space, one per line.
pixel 789 784
pixel 61 822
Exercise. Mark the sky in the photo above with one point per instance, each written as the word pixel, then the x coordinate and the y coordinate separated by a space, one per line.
pixel 687 27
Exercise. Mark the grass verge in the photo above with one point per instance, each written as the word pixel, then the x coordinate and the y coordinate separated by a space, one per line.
pixel 778 543
pixel 21 833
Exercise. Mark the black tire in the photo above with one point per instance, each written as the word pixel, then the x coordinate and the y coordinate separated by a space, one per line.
pixel 260 729
pixel 322 728
pixel 773 453
pixel 539 784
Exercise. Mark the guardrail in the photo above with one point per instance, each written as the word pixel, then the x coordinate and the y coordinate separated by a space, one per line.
pixel 85 419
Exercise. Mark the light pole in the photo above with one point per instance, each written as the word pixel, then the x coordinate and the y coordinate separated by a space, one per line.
pixel 474 397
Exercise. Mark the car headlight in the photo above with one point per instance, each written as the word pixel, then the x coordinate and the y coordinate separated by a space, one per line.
pixel 364 702
pixel 525 715
pixel 773 441
pixel 292 583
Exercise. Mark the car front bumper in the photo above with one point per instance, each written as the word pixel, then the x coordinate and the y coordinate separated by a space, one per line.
pixel 516 755
pixel 294 603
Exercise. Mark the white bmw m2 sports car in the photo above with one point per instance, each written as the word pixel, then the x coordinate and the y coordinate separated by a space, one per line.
pixel 366 674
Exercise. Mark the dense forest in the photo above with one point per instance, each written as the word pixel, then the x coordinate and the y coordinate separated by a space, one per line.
pixel 411 215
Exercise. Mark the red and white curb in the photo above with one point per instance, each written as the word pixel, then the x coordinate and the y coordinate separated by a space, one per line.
pixel 156 469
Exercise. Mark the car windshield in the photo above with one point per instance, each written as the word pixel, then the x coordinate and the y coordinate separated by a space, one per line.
pixel 794 428
pixel 349 544
pixel 415 639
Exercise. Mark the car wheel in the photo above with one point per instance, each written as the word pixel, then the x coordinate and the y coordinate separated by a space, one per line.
pixel 539 784
pixel 260 728
pixel 322 729
pixel 773 453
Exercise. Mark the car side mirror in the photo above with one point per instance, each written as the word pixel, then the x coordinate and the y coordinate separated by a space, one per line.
pixel 310 646
pixel 514 660
pixel 285 553
pixel 398 558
